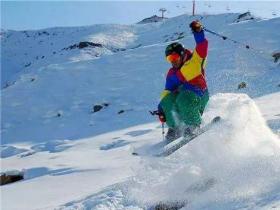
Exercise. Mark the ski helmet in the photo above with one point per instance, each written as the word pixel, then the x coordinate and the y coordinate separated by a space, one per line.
pixel 174 47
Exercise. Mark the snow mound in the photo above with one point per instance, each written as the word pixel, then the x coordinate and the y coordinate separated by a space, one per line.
pixel 232 165
pixel 8 151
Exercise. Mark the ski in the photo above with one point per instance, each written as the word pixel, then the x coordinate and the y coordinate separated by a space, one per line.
pixel 178 143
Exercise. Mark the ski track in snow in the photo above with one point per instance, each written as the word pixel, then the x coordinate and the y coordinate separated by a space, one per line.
pixel 82 159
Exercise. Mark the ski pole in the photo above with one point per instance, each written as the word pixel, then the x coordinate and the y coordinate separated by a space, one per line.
pixel 224 38
pixel 240 43
pixel 212 32
pixel 156 112
pixel 163 136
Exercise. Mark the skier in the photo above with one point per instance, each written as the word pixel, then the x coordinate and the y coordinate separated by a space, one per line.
pixel 185 95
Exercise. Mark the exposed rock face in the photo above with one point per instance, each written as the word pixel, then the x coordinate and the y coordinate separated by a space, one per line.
pixel 10 177
pixel 244 16
pixel 98 107
pixel 242 85
pixel 170 205
pixel 82 45
pixel 152 19
pixel 276 56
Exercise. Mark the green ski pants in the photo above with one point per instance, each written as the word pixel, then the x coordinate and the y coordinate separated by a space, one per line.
pixel 183 107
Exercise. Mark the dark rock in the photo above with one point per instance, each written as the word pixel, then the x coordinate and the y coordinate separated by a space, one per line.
pixel 97 108
pixel 25 32
pixel 7 178
pixel 169 206
pixel 27 154
pixel 8 84
pixel 242 85
pixel 89 44
pixel 152 19
pixel 116 49
pixel 244 16
pixel 139 45
pixel 43 33
pixel 82 45
pixel 28 64
pixel 121 111
pixel 276 56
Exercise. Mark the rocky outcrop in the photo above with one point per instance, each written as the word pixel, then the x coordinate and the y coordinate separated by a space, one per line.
pixel 244 16
pixel 276 56
pixel 82 45
pixel 98 107
pixel 10 177
pixel 152 19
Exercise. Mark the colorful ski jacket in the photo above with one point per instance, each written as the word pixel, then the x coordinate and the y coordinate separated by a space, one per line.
pixel 191 74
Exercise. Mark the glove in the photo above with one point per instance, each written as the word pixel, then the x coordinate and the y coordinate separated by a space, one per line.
pixel 161 118
pixel 160 114
pixel 196 26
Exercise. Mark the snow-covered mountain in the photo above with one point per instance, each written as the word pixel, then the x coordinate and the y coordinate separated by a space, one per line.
pixel 152 19
pixel 75 157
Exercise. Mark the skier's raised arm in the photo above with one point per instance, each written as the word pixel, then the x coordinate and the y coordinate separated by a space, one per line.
pixel 201 48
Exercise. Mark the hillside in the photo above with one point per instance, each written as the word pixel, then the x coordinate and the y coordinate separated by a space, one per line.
pixel 53 78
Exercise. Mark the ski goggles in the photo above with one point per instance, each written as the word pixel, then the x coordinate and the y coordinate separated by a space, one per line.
pixel 174 57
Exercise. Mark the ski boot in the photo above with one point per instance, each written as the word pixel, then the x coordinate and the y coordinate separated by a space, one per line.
pixel 190 131
pixel 173 134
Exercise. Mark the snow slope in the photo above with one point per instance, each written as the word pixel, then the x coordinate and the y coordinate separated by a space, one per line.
pixel 82 160
pixel 228 168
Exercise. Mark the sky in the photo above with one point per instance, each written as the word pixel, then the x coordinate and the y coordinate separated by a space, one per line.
pixel 24 15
